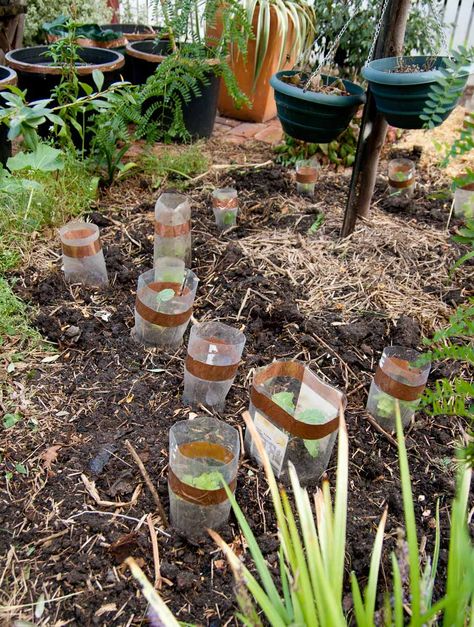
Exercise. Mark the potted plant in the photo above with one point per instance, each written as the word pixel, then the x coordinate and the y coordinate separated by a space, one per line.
pixel 281 31
pixel 315 108
pixel 132 32
pixel 7 77
pixel 179 99
pixel 402 85
pixel 91 35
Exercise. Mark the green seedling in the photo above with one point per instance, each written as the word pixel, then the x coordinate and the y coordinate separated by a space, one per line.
pixel 317 224
pixel 387 405
pixel 164 296
pixel 206 481
pixel 310 416
pixel 229 218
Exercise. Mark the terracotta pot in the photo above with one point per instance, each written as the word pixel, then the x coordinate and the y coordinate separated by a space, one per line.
pixel 263 103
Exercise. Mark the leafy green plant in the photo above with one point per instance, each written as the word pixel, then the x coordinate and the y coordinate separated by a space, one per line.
pixel 455 396
pixel 311 416
pixel 206 481
pixel 14 323
pixel 465 236
pixel 338 152
pixel 177 165
pixel 40 11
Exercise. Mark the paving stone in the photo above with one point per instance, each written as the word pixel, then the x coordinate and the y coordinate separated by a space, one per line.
pixel 248 129
pixel 227 121
pixel 234 139
pixel 270 135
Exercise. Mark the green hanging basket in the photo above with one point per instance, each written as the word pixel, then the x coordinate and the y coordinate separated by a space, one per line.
pixel 402 96
pixel 314 117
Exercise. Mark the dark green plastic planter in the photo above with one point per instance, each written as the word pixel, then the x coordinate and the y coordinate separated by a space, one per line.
pixel 311 117
pixel 402 96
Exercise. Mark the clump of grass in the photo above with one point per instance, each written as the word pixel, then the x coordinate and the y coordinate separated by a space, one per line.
pixel 14 321
pixel 50 200
pixel 175 165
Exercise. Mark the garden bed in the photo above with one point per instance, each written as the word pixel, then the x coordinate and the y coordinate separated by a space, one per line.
pixel 334 304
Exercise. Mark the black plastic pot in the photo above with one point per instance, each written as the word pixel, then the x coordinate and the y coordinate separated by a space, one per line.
pixel 314 117
pixel 200 113
pixel 402 96
pixel 39 76
pixel 7 77
pixel 143 57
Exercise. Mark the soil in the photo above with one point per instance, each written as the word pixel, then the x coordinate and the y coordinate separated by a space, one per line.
pixel 317 84
pixel 104 389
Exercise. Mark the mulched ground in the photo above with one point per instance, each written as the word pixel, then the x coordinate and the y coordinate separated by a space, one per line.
pixel 104 389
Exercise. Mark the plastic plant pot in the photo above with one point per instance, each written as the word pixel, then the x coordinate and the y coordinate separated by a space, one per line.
pixel 214 352
pixel 225 205
pixel 297 417
pixel 173 227
pixel 306 176
pixel 400 379
pixel 401 97
pixel 464 201
pixel 83 258
pixel 202 453
pixel 401 177
pixel 163 309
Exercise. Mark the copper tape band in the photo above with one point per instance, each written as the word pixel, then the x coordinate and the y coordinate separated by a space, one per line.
pixel 306 176
pixel 209 372
pixel 79 252
pixel 231 203
pixel 168 230
pixel 401 391
pixel 158 317
pixel 401 184
pixel 468 188
pixel 196 495
pixel 278 415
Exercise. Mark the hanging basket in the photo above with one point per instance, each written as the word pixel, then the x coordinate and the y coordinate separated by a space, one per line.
pixel 314 117
pixel 402 96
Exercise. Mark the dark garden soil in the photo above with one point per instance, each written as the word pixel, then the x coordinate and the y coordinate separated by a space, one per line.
pixel 103 389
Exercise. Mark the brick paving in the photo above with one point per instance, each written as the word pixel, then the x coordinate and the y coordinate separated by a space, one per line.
pixel 237 132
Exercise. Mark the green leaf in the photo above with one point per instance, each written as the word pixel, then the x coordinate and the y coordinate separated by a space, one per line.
pixel 98 78
pixel 165 295
pixel 10 420
pixel 285 401
pixel 44 159
pixel 21 468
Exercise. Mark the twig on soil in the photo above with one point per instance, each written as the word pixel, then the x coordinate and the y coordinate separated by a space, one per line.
pixel 90 487
pixel 381 430
pixel 156 553
pixel 149 483
pixel 51 537
pixel 230 166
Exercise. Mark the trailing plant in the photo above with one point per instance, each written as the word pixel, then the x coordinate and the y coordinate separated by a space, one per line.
pixel 341 151
pixel 40 11
pixel 455 396
pixel 308 590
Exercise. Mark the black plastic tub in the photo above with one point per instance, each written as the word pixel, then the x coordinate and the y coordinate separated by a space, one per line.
pixel 132 32
pixel 143 57
pixel 7 77
pixel 39 76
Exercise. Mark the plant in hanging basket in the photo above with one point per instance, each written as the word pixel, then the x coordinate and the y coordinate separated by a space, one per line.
pixel 402 85
pixel 321 112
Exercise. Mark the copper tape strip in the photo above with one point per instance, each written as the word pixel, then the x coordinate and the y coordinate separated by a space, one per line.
pixel 401 391
pixel 278 415
pixel 158 317
pixel 79 252
pixel 401 184
pixel 210 372
pixel 306 176
pixel 231 203
pixel 168 230
pixel 196 495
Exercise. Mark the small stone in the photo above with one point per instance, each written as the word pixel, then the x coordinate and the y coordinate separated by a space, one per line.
pixel 72 331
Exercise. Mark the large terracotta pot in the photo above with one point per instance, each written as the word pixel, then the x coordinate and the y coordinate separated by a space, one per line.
pixel 263 103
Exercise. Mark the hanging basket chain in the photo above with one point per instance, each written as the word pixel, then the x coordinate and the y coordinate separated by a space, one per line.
pixel 328 57
pixel 439 24
pixel 376 34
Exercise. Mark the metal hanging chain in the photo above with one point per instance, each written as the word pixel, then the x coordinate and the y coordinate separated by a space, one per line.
pixel 331 52
pixel 439 24
pixel 376 34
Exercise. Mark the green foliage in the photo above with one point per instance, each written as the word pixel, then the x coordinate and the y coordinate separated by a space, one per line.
pixel 455 397
pixel 449 87
pixel 44 158
pixel 13 323
pixel 341 151
pixel 206 481
pixel 40 11
pixel 331 15
pixel 313 416
pixel 465 236
pixel 177 165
